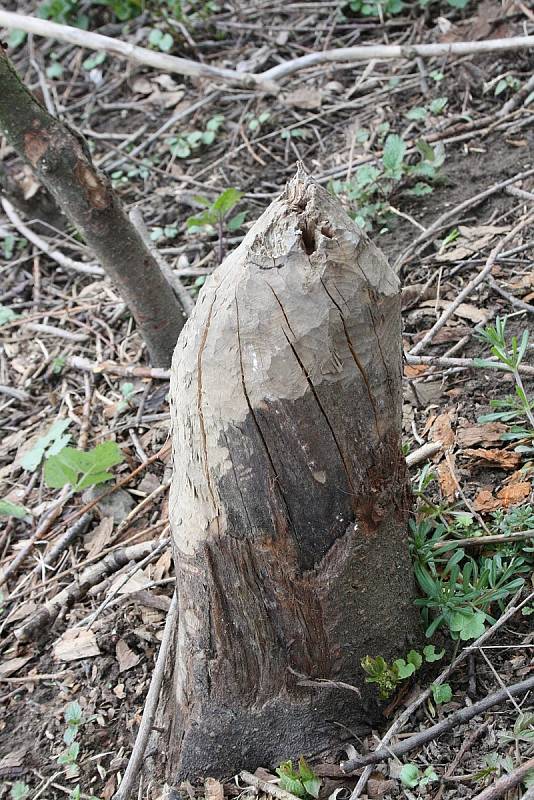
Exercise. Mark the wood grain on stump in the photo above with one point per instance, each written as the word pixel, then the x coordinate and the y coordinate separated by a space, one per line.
pixel 290 497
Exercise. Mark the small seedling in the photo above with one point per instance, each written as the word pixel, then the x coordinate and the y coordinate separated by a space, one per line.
pixel 388 676
pixel 302 782
pixel 82 469
pixel 216 216
pixel 7 315
pixel 441 692
pixel 411 776
pixel 94 61
pixel 160 41
pixel 182 146
pixel 255 123
pixel 127 391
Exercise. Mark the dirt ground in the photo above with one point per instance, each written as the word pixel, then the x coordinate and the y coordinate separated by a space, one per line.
pixel 120 107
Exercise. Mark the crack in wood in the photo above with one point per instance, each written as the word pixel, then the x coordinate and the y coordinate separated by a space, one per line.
pixel 201 413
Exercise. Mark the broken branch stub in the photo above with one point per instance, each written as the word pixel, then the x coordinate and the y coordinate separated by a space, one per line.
pixel 290 497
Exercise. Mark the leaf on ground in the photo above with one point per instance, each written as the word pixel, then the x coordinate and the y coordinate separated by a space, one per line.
pixel 500 458
pixel 125 656
pixel 76 643
pixel 471 241
pixel 98 538
pixel 487 434
pixel 415 370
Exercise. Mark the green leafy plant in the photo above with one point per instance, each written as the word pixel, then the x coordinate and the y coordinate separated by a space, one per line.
pixel 518 409
pixel 19 791
pixel 301 782
pixel 412 777
pixel 82 469
pixel 372 186
pixel 386 8
pixel 94 60
pixel 441 692
pixel 255 123
pixel 462 592
pixel 388 676
pixel 50 444
pixel 160 41
pixel 7 315
pixel 217 216
pixel 182 146
pixel 9 509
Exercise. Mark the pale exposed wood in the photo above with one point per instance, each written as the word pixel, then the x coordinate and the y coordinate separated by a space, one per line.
pixel 289 499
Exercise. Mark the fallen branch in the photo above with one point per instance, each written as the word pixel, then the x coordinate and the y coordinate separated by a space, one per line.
pixel 471 286
pixel 124 371
pixel 388 51
pixel 422 453
pixel 139 55
pixel 507 782
pixel 44 246
pixel 266 81
pixel 428 735
pixel 476 541
pixel 464 363
pixel 151 704
pixel 47 615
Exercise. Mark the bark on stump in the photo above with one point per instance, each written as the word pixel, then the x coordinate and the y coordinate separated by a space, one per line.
pixel 290 497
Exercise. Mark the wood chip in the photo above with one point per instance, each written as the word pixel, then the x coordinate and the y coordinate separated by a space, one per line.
pixel 76 643
pixel 485 501
pixel 500 458
pixel 442 431
pixel 447 482
pixel 98 538
pixel 487 434
pixel 514 493
pixel 213 789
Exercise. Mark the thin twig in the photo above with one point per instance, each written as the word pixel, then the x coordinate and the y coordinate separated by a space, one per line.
pixel 507 782
pixel 471 286
pixel 41 244
pixel 464 363
pixel 494 538
pixel 151 704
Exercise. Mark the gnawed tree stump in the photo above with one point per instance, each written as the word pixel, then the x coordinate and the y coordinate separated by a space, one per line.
pixel 290 497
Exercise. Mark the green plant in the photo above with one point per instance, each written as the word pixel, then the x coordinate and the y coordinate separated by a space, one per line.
pixel 462 592
pixel 183 145
pixel 388 676
pixel 302 782
pixel 50 444
pixel 127 392
pixel 7 315
pixel 372 186
pixel 82 469
pixel 435 107
pixel 216 216
pixel 518 409
pixel 9 509
pixel 160 41
pixel 94 60
pixel 441 692
pixel 19 791
pixel 411 776
pixel 255 123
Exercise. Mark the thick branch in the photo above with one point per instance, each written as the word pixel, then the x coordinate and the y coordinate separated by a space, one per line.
pixel 60 158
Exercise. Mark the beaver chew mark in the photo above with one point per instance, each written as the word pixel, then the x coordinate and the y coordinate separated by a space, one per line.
pixel 327 231
pixel 308 237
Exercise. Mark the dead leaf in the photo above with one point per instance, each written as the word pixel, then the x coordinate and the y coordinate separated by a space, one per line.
pixel 76 643
pixel 514 493
pixel 11 763
pixel 487 434
pixel 119 692
pixel 442 431
pixel 472 240
pixel 142 86
pixel 447 482
pixel 501 458
pixel 415 370
pixel 135 583
pixel 98 538
pixel 125 656
pixel 12 665
pixel 306 98
pixel 485 501
pixel 162 566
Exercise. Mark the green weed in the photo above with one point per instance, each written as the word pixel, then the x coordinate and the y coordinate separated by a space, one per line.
pixel 301 782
